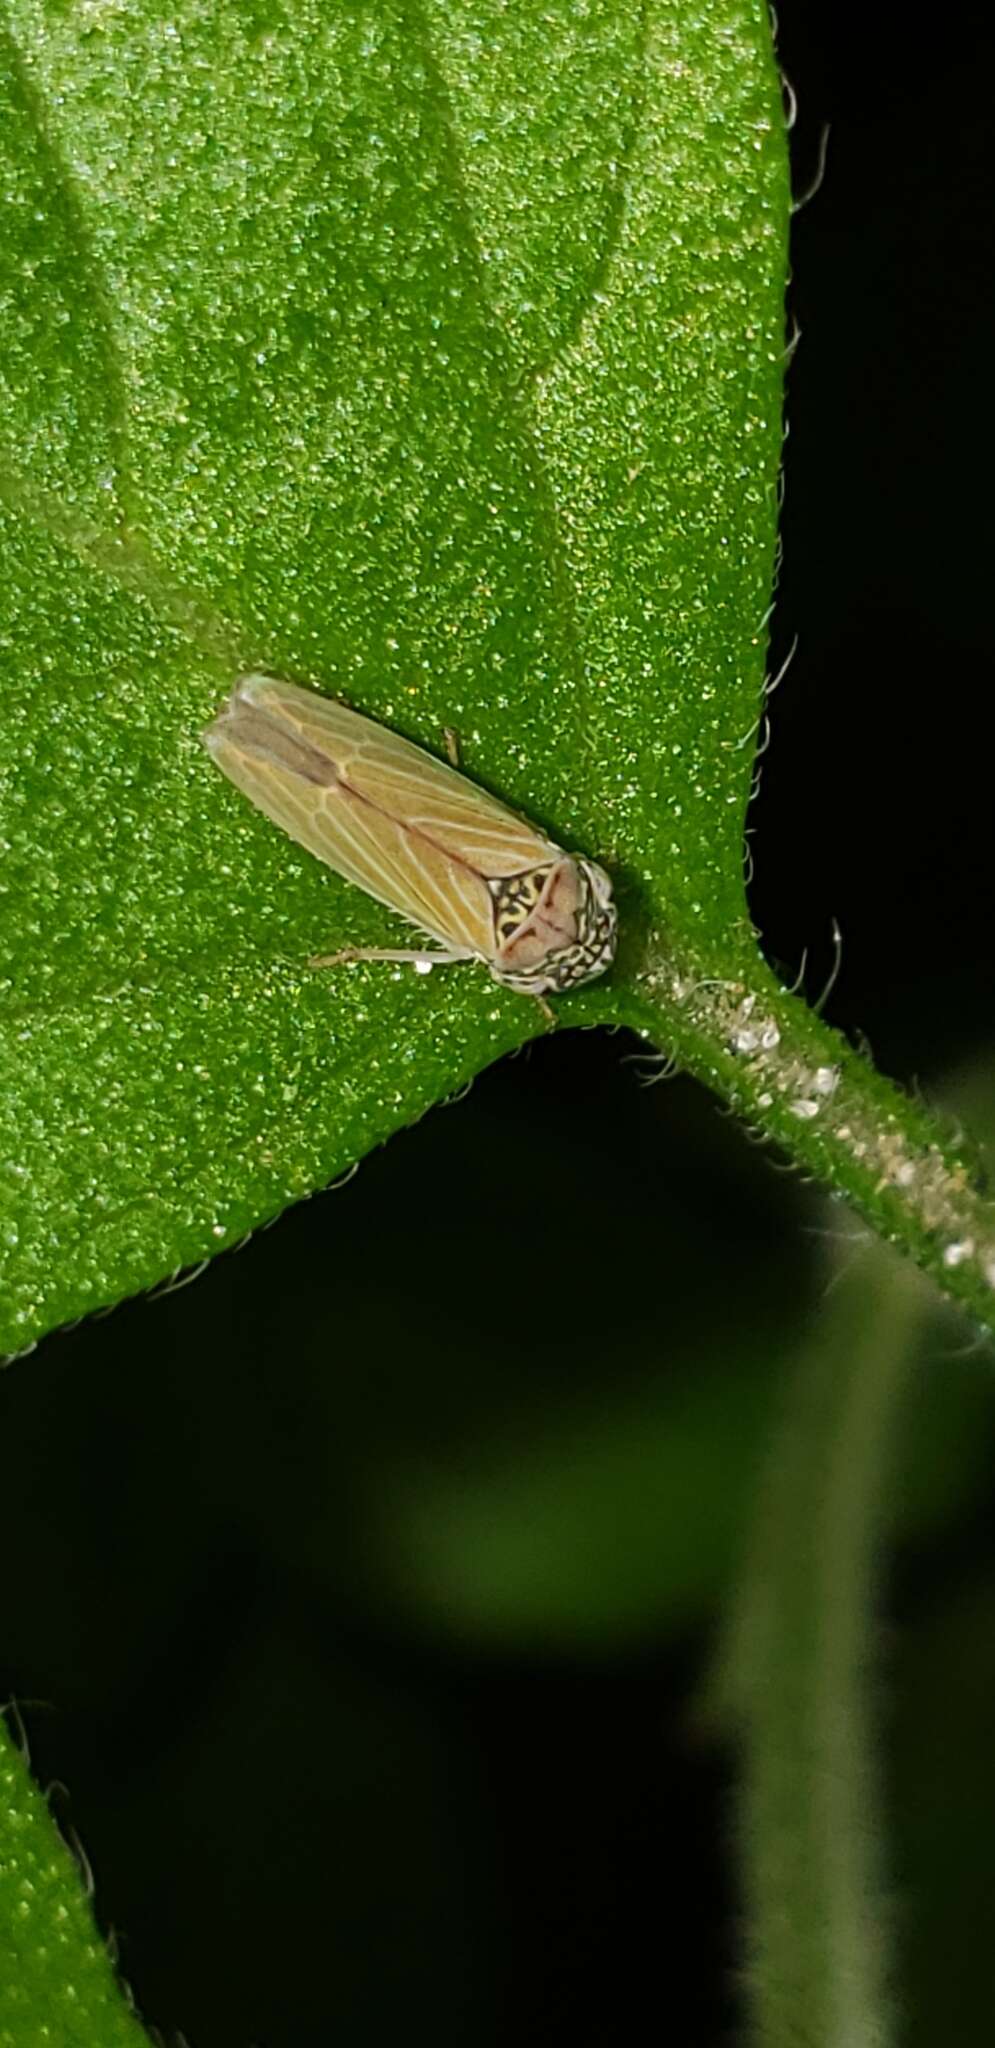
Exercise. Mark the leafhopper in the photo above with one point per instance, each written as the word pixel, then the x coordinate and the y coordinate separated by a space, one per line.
pixel 413 832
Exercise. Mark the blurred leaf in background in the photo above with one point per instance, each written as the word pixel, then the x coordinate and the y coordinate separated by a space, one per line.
pixel 382 1669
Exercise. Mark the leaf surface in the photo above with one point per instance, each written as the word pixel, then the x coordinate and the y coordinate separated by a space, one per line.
pixel 433 359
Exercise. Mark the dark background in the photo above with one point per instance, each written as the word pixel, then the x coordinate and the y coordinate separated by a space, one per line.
pixel 365 1611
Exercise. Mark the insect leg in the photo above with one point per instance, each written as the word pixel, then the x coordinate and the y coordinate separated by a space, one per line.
pixel 423 960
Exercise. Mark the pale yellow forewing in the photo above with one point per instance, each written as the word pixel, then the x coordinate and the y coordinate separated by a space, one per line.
pixel 406 783
pixel 298 775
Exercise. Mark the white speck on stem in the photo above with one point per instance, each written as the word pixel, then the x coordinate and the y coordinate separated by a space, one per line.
pixel 745 1041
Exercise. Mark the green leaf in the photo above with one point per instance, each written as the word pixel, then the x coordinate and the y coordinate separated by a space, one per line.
pixel 432 360
pixel 57 1987
pixel 612 1531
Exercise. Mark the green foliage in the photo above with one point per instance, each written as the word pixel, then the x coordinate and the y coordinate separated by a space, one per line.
pixel 436 362
pixel 57 1986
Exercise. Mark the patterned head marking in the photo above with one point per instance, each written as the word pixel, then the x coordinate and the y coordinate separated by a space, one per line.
pixel 554 926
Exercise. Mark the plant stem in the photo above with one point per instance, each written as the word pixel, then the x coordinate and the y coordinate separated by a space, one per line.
pixel 800 1679
pixel 799 1082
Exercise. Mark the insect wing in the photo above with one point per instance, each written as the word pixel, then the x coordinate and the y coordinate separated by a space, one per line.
pixel 408 784
pixel 317 777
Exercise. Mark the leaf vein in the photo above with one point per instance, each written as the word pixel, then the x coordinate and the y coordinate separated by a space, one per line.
pixel 92 280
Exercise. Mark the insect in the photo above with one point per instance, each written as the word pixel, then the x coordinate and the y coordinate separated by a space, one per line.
pixel 414 833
